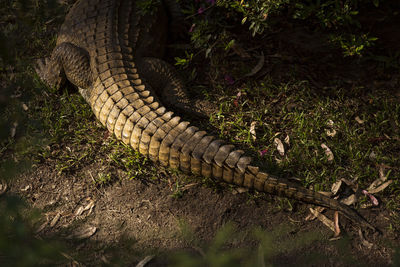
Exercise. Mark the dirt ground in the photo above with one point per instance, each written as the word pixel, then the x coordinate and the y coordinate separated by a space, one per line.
pixel 130 219
pixel 149 216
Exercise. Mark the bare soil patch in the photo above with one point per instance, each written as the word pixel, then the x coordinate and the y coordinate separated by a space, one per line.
pixel 135 218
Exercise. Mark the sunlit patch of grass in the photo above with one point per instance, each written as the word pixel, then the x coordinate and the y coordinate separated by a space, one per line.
pixel 361 127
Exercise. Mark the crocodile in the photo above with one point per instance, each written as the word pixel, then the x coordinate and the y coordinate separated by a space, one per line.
pixel 112 51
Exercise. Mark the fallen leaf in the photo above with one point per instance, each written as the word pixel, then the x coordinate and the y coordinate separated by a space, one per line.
pixel 336 186
pixel 330 132
pixel 24 107
pixel 257 67
pixel 360 121
pixel 287 140
pixel 380 188
pixel 26 188
pixel 239 190
pixel 55 219
pixel 323 219
pixel 13 129
pixel 253 130
pixel 382 178
pixel 89 207
pixel 79 211
pixel 146 260
pixel 349 200
pixel 311 216
pixel 279 146
pixel 337 227
pixel 328 152
pixel 84 232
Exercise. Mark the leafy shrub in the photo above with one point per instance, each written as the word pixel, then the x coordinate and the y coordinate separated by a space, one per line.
pixel 339 17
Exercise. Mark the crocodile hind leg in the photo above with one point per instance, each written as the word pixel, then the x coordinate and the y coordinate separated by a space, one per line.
pixel 164 79
pixel 67 62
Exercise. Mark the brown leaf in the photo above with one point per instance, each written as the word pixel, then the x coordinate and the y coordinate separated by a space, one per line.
pixel 253 130
pixel 380 188
pixel 336 187
pixel 55 219
pixel 146 260
pixel 323 219
pixel 360 121
pixel 84 232
pixel 337 227
pixel 279 146
pixel 349 200
pixel 311 216
pixel 328 152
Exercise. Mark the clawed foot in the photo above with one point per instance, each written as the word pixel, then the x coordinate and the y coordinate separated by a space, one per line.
pixel 48 73
pixel 41 68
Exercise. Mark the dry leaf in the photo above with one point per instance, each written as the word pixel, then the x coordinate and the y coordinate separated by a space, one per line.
pixel 380 188
pixel 360 121
pixel 349 200
pixel 287 140
pixel 323 219
pixel 311 217
pixel 146 260
pixel 382 178
pixel 89 207
pixel 330 132
pixel 24 107
pixel 253 130
pixel 79 211
pixel 239 190
pixel 336 186
pixel 13 129
pixel 55 219
pixel 328 152
pixel 83 233
pixel 279 146
pixel 257 67
pixel 26 188
pixel 337 227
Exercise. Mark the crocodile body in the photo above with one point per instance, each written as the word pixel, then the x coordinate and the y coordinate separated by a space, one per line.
pixel 111 51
